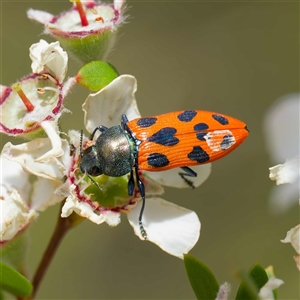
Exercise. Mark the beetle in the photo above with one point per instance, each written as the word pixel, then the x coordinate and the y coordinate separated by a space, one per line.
pixel 177 139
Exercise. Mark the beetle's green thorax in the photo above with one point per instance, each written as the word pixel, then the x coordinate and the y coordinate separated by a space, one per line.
pixel 115 152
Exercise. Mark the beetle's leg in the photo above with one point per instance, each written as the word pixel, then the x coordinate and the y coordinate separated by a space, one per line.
pixel 124 122
pixel 131 184
pixel 142 192
pixel 101 128
pixel 190 173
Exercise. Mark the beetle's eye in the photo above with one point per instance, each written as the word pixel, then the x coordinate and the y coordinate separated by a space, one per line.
pixel 95 171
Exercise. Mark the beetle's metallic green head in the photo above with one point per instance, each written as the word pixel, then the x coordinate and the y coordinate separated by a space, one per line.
pixel 90 163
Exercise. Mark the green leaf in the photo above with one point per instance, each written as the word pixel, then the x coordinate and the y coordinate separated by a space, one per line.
pixel 14 282
pixel 252 281
pixel 201 278
pixel 96 75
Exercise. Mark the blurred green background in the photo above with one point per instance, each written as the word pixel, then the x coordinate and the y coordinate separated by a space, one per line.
pixel 236 58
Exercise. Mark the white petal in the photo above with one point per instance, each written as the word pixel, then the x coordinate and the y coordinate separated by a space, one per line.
pixel 49 58
pixel 293 237
pixel 289 172
pixel 27 153
pixel 14 177
pixel 297 261
pixel 119 5
pixel 106 106
pixel 44 195
pixel 51 129
pixel 172 228
pixel 2 90
pixel 173 179
pixel 282 128
pixel 283 197
pixel 85 210
pixel 39 16
pixel 15 214
pixel 266 292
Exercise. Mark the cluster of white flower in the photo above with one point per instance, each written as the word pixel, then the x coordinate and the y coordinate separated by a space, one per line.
pixel 173 228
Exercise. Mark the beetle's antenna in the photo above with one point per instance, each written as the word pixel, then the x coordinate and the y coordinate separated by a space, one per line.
pixel 94 182
pixel 80 147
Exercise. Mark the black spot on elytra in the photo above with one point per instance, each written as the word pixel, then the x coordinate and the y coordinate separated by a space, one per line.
pixel 222 120
pixel 200 126
pixel 228 141
pixel 146 122
pixel 187 116
pixel 157 160
pixel 201 136
pixel 198 154
pixel 165 137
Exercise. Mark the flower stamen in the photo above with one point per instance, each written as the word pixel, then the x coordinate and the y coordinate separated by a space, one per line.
pixel 99 19
pixel 17 88
pixel 40 91
pixel 83 18
pixel 94 11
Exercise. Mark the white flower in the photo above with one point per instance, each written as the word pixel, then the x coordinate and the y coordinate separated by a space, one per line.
pixel 266 292
pixel 171 227
pixel 90 34
pixel 293 237
pixel 42 92
pixel 21 200
pixel 282 134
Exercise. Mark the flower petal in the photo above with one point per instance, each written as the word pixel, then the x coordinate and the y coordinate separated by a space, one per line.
pixel 293 237
pixel 297 261
pixel 266 292
pixel 172 228
pixel 44 195
pixel 15 214
pixel 173 179
pixel 289 172
pixel 49 58
pixel 14 177
pixel 282 136
pixel 51 128
pixel 85 210
pixel 106 106
pixel 44 157
pixel 40 16
pixel 283 197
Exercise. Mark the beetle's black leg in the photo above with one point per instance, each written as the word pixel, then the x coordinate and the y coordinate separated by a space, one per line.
pixel 188 172
pixel 124 122
pixel 131 184
pixel 101 128
pixel 142 192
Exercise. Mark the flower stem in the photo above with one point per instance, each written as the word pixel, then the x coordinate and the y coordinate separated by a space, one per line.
pixel 62 227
